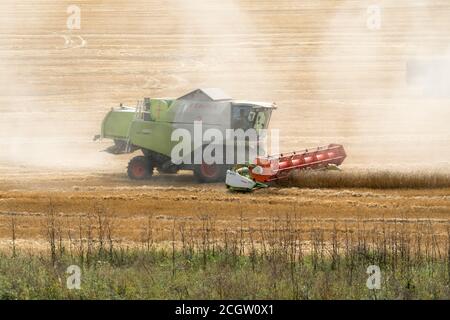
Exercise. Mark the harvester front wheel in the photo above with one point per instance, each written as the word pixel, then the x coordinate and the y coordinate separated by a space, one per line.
pixel 210 172
pixel 140 168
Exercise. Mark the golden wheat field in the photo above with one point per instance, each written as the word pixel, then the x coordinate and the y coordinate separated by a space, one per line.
pixel 334 79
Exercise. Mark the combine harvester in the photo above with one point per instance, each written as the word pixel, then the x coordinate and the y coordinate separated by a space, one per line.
pixel 149 127
pixel 276 167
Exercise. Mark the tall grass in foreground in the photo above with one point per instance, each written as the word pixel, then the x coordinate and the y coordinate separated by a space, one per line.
pixel 283 259
pixel 368 179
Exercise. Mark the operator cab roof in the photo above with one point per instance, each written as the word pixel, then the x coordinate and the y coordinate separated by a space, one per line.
pixel 217 95
pixel 269 105
pixel 206 94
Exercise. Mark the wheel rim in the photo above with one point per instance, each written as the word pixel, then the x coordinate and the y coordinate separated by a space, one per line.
pixel 138 170
pixel 209 170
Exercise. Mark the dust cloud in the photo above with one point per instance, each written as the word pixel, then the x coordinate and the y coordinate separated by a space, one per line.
pixel 218 40
pixel 41 126
pixel 389 118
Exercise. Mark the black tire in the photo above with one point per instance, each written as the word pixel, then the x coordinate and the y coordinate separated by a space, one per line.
pixel 140 168
pixel 210 173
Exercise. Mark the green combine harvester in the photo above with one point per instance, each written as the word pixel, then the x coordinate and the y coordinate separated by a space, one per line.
pixel 149 127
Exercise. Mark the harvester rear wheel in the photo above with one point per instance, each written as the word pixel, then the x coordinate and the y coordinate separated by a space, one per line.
pixel 210 172
pixel 140 168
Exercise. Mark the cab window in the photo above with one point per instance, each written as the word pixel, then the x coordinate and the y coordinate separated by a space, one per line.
pixel 243 117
